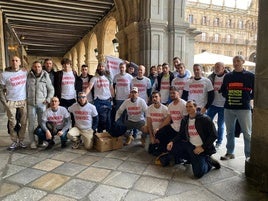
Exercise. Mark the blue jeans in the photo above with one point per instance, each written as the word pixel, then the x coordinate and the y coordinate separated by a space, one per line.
pixel 34 111
pixel 104 109
pixel 42 135
pixel 211 112
pixel 200 164
pixel 245 120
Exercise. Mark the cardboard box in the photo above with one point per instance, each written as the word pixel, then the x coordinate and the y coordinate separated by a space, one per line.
pixel 105 142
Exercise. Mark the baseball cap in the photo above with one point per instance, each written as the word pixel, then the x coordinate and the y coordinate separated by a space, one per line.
pixel 135 89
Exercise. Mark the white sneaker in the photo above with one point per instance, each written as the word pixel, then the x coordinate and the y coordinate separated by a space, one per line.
pixel 13 145
pixel 22 145
pixel 33 145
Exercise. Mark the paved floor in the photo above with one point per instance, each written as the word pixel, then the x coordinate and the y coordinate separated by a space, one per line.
pixel 126 174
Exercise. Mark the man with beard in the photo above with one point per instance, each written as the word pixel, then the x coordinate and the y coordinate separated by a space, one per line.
pixel 86 122
pixel 156 114
pixel 136 109
pixel 103 94
pixel 171 125
pixel 176 62
pixel 39 92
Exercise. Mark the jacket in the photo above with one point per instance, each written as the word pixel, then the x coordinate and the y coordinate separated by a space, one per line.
pixel 39 89
pixel 78 85
pixel 205 128
pixel 159 78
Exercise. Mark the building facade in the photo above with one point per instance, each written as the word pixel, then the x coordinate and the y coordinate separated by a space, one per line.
pixel 228 27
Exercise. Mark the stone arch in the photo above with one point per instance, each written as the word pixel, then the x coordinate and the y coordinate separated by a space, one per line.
pixel 91 57
pixel 74 58
pixel 81 55
pixel 109 31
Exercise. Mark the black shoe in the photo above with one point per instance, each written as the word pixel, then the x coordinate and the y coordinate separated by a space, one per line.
pixel 63 145
pixel 50 144
pixel 214 162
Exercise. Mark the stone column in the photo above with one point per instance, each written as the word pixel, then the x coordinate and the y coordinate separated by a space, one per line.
pixel 257 167
pixel 164 33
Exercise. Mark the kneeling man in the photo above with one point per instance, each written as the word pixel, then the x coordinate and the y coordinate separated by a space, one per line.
pixel 86 122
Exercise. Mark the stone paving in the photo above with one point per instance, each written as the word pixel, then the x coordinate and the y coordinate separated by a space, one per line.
pixel 126 174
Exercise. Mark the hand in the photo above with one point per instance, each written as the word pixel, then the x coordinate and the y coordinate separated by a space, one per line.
pixel 48 135
pixel 60 133
pixel 198 150
pixel 203 110
pixel 169 146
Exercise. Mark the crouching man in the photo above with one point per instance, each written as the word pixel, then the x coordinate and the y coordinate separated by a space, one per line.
pixel 56 121
pixel 194 141
pixel 86 122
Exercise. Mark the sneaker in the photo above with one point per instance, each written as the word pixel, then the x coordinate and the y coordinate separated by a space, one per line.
pixel 227 157
pixel 43 144
pixel 13 145
pixel 76 144
pixel 214 162
pixel 218 145
pixel 50 144
pixel 22 145
pixel 33 145
pixel 143 141
pixel 129 139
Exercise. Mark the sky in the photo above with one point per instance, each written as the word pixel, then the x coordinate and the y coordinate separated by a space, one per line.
pixel 241 4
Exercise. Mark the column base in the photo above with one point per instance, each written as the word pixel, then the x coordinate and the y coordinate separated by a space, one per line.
pixel 257 175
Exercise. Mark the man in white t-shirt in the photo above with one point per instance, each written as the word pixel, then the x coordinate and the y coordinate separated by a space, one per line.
pixel 86 122
pixel 67 84
pixel 103 94
pixel 136 109
pixel 217 106
pixel 156 114
pixel 171 125
pixel 181 78
pixel 121 84
pixel 142 83
pixel 13 97
pixel 86 77
pixel 199 89
pixel 56 121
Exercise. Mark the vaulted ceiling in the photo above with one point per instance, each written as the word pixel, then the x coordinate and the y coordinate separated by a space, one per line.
pixel 52 27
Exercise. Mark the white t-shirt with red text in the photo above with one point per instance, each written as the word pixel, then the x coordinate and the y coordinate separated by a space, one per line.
pixel 198 90
pixel 179 83
pixel 157 115
pixel 56 117
pixel 15 84
pixel 194 137
pixel 164 89
pixel 85 86
pixel 142 85
pixel 135 110
pixel 101 86
pixel 122 86
pixel 177 112
pixel 83 115
pixel 68 86
pixel 219 100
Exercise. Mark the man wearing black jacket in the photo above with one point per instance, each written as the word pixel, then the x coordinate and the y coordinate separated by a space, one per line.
pixel 194 141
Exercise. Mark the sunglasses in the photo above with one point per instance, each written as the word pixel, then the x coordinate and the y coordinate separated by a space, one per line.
pixel 81 96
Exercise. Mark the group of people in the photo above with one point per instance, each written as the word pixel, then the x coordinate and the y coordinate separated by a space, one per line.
pixel 175 109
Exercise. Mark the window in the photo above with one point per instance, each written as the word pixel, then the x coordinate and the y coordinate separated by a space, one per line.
pixel 229 23
pixel 216 38
pixel 217 22
pixel 240 53
pixel 240 24
pixel 191 19
pixel 228 38
pixel 204 36
pixel 204 20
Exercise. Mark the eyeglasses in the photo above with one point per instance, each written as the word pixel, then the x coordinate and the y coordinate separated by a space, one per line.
pixel 81 96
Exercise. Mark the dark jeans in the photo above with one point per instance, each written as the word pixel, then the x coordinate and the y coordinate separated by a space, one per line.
pixel 42 135
pixel 104 109
pixel 200 164
pixel 165 135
